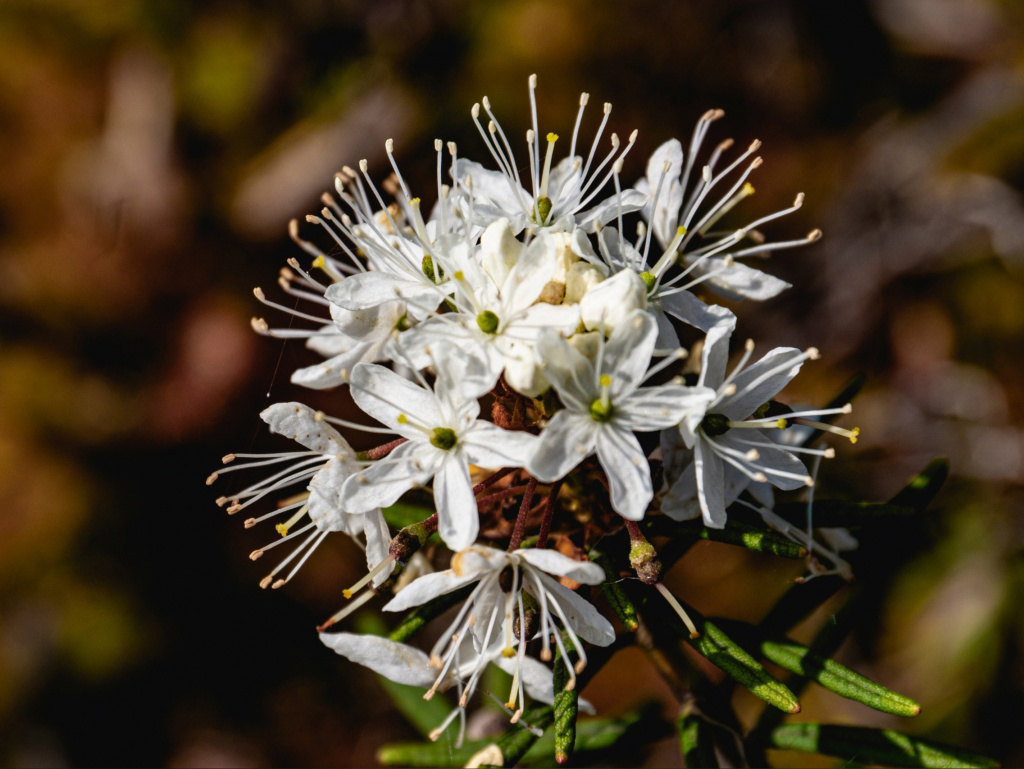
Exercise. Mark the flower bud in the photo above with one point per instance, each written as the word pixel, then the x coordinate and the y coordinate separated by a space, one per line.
pixel 579 279
pixel 612 300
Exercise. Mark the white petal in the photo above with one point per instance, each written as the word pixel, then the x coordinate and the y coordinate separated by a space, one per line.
pixel 744 403
pixel 488 445
pixel 378 541
pixel 710 485
pixel 372 322
pixel 330 342
pixel 769 459
pixel 567 440
pixel 666 215
pixel 528 278
pixel 738 281
pixel 557 317
pixel 382 483
pixel 667 339
pixel 691 310
pixel 428 587
pixel 627 355
pixel 396 662
pixel 629 475
pixel 464 371
pixel 567 369
pixel 299 422
pixel 494 186
pixel 458 521
pixel 536 677
pixel 654 408
pixel 325 499
pixel 335 371
pixel 584 619
pixel 369 289
pixel 631 200
pixel 384 395
pixel 554 562
pixel 715 353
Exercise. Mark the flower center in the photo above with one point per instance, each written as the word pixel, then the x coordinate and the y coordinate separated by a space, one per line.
pixel 649 279
pixel 601 408
pixel 714 424
pixel 488 322
pixel 402 324
pixel 443 438
pixel 543 208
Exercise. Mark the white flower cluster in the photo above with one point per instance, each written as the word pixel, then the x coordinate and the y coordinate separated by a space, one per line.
pixel 525 295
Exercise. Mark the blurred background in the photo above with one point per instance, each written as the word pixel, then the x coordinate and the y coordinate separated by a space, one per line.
pixel 152 153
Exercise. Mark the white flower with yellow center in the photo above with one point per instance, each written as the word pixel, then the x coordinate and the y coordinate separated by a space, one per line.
pixel 561 196
pixel 503 320
pixel 517 597
pixel 442 438
pixel 730 443
pixel 322 469
pixel 683 217
pixel 604 405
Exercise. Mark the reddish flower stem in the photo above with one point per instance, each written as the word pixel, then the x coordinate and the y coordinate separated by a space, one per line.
pixel 382 451
pixel 492 479
pixel 634 531
pixel 524 509
pixel 549 512
pixel 511 491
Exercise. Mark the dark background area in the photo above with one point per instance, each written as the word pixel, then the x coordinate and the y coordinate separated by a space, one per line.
pixel 152 154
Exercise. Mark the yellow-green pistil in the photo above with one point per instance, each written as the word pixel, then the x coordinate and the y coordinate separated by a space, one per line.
pixel 488 322
pixel 649 279
pixel 543 209
pixel 601 409
pixel 443 438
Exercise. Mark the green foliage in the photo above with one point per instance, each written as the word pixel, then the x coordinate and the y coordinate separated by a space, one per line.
pixel 873 746
pixel 567 704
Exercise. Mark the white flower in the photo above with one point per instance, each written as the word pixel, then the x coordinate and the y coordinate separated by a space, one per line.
pixel 503 320
pixel 604 406
pixel 682 217
pixel 559 195
pixel 732 448
pixel 443 436
pixel 515 596
pixel 328 462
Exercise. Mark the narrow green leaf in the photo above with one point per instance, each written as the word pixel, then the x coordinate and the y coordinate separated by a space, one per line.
pixel 417 754
pixel 873 746
pixel 613 591
pixel 418 618
pixel 567 704
pixel 695 740
pixel 837 678
pixel 514 744
pixel 402 514
pixel 595 735
pixel 836 512
pixel 735 533
pixel 425 715
pixel 924 486
pixel 736 662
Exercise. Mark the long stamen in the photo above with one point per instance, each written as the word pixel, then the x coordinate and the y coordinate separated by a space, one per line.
pixel 678 609
pixel 364 598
